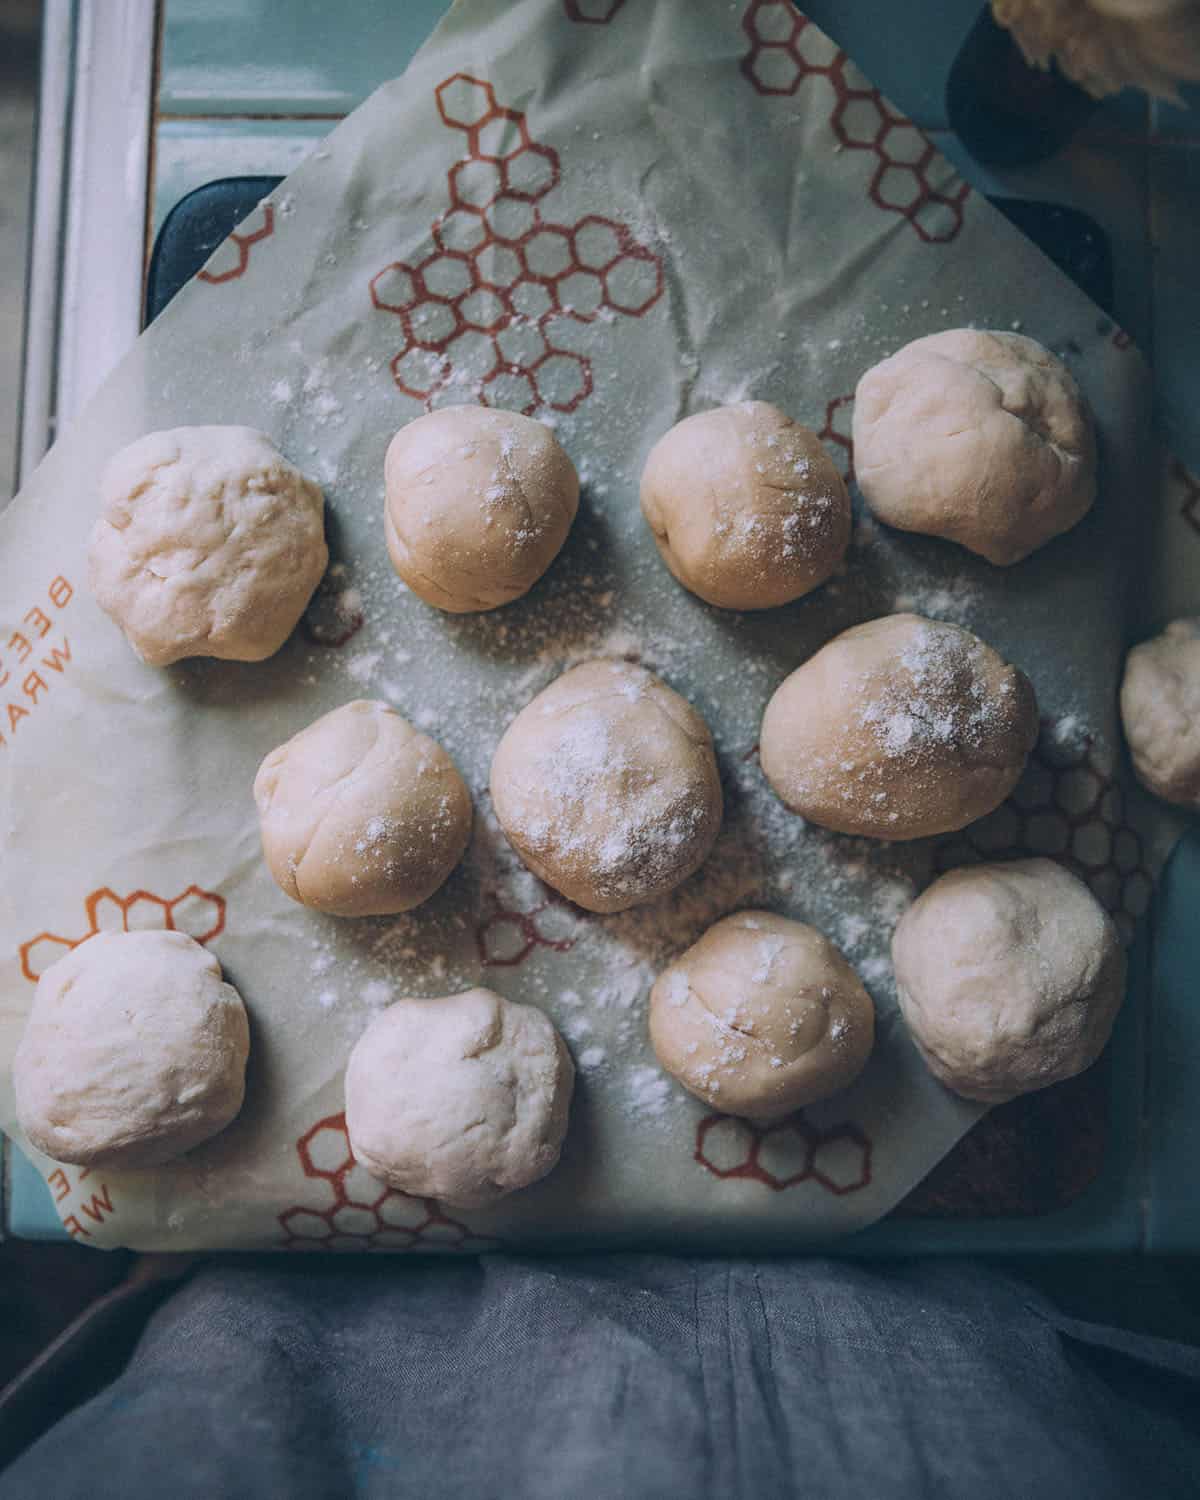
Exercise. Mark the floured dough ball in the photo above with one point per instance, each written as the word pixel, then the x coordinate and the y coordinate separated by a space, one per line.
pixel 479 501
pixel 982 438
pixel 761 1017
pixel 1010 977
pixel 1160 712
pixel 898 729
pixel 747 508
pixel 134 1052
pixel 361 815
pixel 462 1098
pixel 209 543
pixel 606 785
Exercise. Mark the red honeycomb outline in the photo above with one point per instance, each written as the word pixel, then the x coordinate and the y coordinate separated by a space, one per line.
pixel 244 242
pixel 1190 509
pixel 1068 806
pixel 792 1148
pixel 785 49
pixel 524 925
pixel 592 12
pixel 834 434
pixel 400 1222
pixel 326 621
pixel 481 285
pixel 163 911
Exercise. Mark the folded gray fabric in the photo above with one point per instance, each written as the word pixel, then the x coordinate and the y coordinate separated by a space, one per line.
pixel 626 1377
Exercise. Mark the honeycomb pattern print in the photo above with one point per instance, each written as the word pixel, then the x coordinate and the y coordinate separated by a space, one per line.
pixel 231 258
pixel 346 1208
pixel 785 1154
pixel 839 416
pixel 909 177
pixel 199 913
pixel 499 306
pixel 507 933
pixel 1069 807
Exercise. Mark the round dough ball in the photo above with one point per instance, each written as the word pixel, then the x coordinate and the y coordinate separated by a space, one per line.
pixel 209 543
pixel 982 438
pixel 898 729
pixel 606 785
pixel 134 1052
pixel 761 1017
pixel 1010 977
pixel 1160 712
pixel 747 508
pixel 462 1098
pixel 361 815
pixel 479 501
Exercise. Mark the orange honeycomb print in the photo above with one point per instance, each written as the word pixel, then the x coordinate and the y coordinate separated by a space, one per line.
pixel 1068 807
pixel 348 1209
pixel 785 1154
pixel 836 433
pixel 498 306
pixel 199 913
pixel 506 936
pixel 786 49
pixel 232 257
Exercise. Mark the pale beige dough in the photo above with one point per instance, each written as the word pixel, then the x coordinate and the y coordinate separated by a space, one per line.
pixel 897 729
pixel 209 543
pixel 607 787
pixel 361 814
pixel 1010 977
pixel 479 502
pixel 761 1016
pixel 1160 712
pixel 747 508
pixel 134 1052
pixel 982 438
pixel 463 1098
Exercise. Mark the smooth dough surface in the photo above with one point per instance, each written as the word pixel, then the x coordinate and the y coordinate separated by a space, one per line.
pixel 134 1052
pixel 982 438
pixel 463 1098
pixel 479 502
pixel 209 543
pixel 747 508
pixel 607 787
pixel 1160 712
pixel 360 813
pixel 1010 977
pixel 761 1016
pixel 898 729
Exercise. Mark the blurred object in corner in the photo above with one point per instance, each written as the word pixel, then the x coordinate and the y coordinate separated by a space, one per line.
pixel 19 30
pixel 1031 71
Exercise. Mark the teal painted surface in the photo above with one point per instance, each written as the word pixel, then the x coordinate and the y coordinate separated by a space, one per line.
pixel 31 1212
pixel 1173 1136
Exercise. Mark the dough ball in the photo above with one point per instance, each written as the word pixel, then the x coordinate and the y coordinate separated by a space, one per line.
pixel 134 1052
pixel 606 785
pixel 898 729
pixel 747 508
pixel 761 1017
pixel 1009 976
pixel 361 815
pixel 982 438
pixel 209 543
pixel 462 1098
pixel 479 501
pixel 1160 711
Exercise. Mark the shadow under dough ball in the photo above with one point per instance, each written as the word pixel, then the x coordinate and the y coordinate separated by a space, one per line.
pixel 479 503
pixel 898 729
